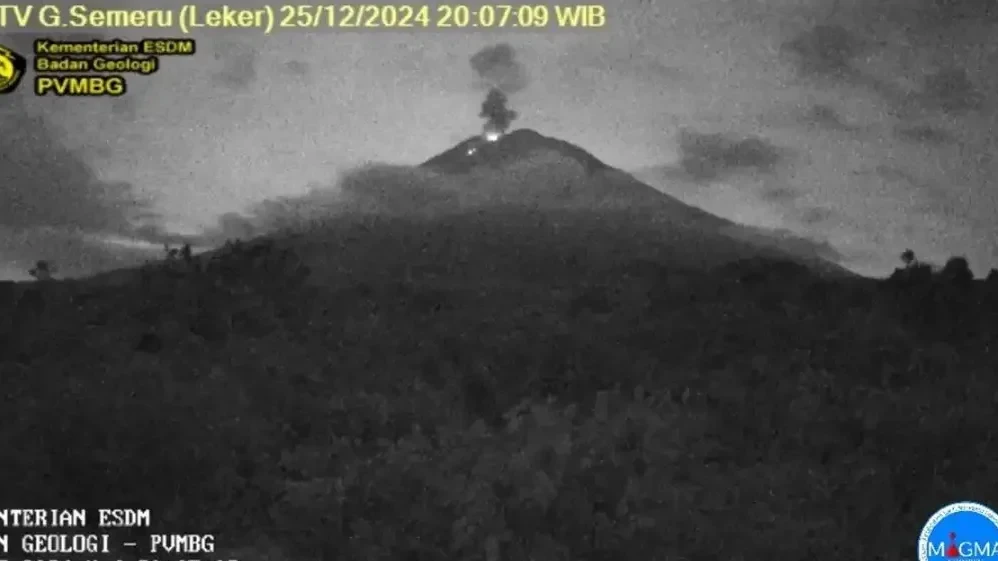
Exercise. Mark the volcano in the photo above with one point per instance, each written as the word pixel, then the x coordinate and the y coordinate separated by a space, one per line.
pixel 706 239
pixel 442 315
pixel 496 150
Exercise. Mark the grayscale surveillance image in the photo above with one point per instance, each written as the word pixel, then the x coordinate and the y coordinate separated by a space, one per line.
pixel 639 280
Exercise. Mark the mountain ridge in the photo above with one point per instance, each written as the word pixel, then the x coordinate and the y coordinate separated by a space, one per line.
pixel 605 184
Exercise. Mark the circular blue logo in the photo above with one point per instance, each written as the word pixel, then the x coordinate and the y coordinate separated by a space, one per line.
pixel 960 532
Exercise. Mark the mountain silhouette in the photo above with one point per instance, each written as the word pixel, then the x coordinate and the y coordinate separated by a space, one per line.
pixel 704 238
pixel 409 329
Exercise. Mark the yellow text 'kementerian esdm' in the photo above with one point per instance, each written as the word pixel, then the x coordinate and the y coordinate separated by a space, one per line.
pixel 98 68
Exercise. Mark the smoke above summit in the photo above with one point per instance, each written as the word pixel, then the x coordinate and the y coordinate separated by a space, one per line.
pixel 497 114
pixel 498 70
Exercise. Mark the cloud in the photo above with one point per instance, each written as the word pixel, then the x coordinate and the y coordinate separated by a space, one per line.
pixel 924 29
pixel 924 134
pixel 826 117
pixel 51 198
pixel 239 65
pixel 709 156
pixel 400 190
pixel 951 89
pixel 47 184
pixel 824 50
pixel 497 67
pixel 788 241
pixel 939 12
pixel 296 68
pixel 831 53
pixel 74 253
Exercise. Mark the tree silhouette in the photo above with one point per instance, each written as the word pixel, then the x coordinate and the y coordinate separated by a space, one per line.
pixel 42 271
pixel 957 270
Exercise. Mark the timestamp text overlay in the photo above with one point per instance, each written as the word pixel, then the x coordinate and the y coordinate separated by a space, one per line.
pixel 270 18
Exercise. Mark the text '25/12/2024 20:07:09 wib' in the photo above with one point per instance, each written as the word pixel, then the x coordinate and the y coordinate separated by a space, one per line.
pixel 271 17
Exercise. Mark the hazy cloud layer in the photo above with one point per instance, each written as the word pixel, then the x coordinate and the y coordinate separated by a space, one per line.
pixel 824 50
pixel 924 134
pixel 711 156
pixel 73 253
pixel 951 90
pixel 547 179
pixel 238 62
pixel 53 204
pixel 297 68
pixel 828 118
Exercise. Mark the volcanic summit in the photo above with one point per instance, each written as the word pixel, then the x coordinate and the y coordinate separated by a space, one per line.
pixel 498 70
pixel 495 149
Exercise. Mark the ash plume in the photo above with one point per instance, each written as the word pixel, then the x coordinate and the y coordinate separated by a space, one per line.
pixel 498 68
pixel 494 109
pixel 498 71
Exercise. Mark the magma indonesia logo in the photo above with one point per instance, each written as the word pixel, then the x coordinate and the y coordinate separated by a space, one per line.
pixel 960 532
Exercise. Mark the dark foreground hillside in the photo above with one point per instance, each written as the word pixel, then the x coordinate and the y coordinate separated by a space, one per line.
pixel 471 388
